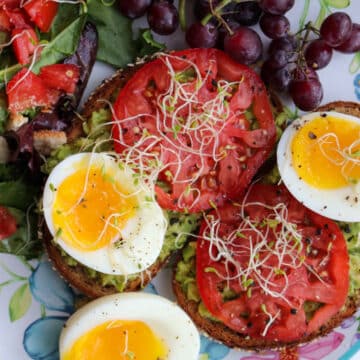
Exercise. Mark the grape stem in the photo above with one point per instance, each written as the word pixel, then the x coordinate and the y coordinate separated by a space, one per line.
pixel 308 29
pixel 217 13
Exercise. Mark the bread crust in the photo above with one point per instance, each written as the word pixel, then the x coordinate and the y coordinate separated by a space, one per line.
pixel 218 331
pixel 78 278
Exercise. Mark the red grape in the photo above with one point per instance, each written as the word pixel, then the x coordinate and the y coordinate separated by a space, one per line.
pixel 318 54
pixel 276 79
pixel 247 13
pixel 287 43
pixel 280 79
pixel 163 17
pixel 133 8
pixel 198 35
pixel 336 28
pixel 276 7
pixel 305 89
pixel 223 31
pixel 244 45
pixel 274 26
pixel 278 59
pixel 352 44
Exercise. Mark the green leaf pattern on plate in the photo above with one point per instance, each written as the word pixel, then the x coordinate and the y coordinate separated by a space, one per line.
pixel 338 4
pixel 20 302
pixel 355 63
pixel 325 9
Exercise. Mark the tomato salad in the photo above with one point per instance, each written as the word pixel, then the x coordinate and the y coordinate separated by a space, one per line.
pixel 197 122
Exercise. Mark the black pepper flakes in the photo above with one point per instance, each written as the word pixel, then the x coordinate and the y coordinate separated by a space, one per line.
pixel 311 135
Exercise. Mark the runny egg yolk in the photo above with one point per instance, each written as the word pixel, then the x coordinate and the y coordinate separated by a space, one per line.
pixel 90 208
pixel 326 152
pixel 120 340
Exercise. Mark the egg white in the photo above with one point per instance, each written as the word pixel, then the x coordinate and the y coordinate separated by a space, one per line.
pixel 166 319
pixel 341 204
pixel 142 236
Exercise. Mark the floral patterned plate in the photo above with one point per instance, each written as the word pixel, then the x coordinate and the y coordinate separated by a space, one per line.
pixel 35 302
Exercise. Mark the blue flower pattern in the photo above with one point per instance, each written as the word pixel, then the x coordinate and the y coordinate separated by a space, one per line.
pixel 40 347
pixel 211 350
pixel 53 294
pixel 48 289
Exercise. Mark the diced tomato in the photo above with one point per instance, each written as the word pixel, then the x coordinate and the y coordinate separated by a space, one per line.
pixel 60 76
pixel 24 44
pixel 4 21
pixel 27 90
pixel 42 12
pixel 17 18
pixel 7 223
pixel 276 256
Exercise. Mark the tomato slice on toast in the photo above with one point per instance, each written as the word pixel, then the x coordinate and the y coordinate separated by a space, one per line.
pixel 187 111
pixel 285 267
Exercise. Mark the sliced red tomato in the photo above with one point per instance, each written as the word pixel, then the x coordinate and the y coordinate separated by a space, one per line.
pixel 277 258
pixel 27 90
pixel 7 223
pixel 186 110
pixel 41 12
pixel 61 76
pixel 24 44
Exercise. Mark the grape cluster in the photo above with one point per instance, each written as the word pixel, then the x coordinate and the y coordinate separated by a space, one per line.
pixel 224 24
pixel 292 61
pixel 226 27
pixel 162 15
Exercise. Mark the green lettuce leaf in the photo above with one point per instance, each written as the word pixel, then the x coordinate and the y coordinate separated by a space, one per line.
pixel 116 45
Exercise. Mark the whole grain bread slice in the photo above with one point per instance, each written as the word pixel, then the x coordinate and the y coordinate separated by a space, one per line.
pixel 220 332
pixel 77 276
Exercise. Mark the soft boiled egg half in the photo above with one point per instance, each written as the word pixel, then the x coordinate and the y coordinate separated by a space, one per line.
pixel 130 326
pixel 102 215
pixel 319 161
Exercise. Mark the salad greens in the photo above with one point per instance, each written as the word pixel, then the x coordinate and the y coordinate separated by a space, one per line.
pixel 18 193
pixel 117 46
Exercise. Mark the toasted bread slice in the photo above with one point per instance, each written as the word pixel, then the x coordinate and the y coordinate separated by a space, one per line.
pixel 77 276
pixel 220 332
